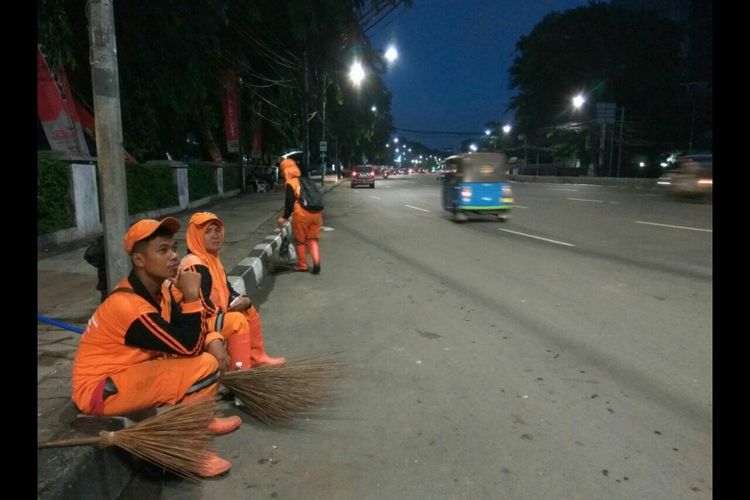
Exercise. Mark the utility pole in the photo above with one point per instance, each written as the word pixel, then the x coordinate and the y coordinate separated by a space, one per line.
pixel 619 153
pixel 307 122
pixel 109 144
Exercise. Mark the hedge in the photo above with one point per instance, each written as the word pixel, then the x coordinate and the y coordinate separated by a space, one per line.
pixel 54 202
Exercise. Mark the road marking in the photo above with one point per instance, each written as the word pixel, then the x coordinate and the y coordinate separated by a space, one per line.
pixel 675 227
pixel 537 237
pixel 581 199
pixel 416 208
pixel 376 197
pixel 564 189
pixel 519 206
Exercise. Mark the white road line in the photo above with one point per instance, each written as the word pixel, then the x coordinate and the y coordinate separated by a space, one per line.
pixel 675 227
pixel 537 237
pixel 564 189
pixel 581 199
pixel 519 206
pixel 376 197
pixel 416 208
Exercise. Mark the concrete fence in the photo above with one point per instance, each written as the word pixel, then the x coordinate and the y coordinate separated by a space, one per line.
pixel 85 197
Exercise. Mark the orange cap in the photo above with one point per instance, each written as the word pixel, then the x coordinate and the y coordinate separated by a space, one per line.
pixel 145 228
pixel 200 218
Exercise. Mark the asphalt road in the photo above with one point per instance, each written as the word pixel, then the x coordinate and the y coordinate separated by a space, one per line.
pixel 566 353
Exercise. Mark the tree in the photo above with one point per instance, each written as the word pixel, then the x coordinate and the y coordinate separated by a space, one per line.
pixel 612 55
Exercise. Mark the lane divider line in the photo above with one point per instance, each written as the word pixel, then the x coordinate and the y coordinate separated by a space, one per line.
pixel 537 237
pixel 582 199
pixel 674 227
pixel 416 208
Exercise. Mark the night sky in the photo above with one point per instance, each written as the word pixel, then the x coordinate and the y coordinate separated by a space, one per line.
pixel 454 56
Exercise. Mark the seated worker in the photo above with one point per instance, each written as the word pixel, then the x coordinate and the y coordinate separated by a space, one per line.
pixel 147 345
pixel 230 313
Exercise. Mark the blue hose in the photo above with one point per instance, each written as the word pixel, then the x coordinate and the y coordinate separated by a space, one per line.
pixel 54 322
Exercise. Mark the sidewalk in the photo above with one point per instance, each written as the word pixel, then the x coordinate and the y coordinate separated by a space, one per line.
pixel 66 288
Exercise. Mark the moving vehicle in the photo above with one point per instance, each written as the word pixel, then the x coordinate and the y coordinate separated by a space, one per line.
pixel 363 174
pixel 691 176
pixel 477 183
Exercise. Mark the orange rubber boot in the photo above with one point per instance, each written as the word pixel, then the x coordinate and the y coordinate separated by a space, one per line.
pixel 213 465
pixel 239 350
pixel 301 257
pixel 224 425
pixel 315 252
pixel 258 354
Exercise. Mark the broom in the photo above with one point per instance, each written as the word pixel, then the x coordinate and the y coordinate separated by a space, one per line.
pixel 276 394
pixel 176 439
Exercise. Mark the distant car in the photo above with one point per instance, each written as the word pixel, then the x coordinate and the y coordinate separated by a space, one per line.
pixel 691 176
pixel 363 174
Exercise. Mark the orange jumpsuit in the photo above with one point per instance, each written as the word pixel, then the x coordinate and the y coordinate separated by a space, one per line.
pixel 243 331
pixel 137 353
pixel 305 225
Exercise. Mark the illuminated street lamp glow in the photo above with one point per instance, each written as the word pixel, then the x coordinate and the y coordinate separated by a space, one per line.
pixel 506 129
pixel 395 139
pixel 473 147
pixel 578 101
pixel 356 73
pixel 373 108
pixel 391 54
pixel 487 132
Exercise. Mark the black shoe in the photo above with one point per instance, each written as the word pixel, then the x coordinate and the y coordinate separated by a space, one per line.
pixel 316 269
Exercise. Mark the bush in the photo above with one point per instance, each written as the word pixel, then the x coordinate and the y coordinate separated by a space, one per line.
pixel 150 188
pixel 232 177
pixel 201 181
pixel 54 203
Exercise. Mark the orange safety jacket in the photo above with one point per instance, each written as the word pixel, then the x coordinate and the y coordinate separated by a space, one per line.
pixel 131 327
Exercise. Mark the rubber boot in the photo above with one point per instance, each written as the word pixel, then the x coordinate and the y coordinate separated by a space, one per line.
pixel 258 354
pixel 213 465
pixel 301 257
pixel 315 252
pixel 238 348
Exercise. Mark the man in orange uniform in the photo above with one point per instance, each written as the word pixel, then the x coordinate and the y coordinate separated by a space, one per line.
pixel 230 313
pixel 147 345
pixel 305 225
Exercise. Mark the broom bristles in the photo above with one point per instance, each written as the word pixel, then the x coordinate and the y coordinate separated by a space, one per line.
pixel 276 394
pixel 176 438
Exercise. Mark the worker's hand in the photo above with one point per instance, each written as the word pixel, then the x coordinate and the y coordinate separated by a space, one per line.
pixel 281 220
pixel 189 283
pixel 241 303
pixel 217 350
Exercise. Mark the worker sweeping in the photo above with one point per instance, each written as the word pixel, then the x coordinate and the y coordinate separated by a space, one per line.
pixel 230 312
pixel 305 223
pixel 147 344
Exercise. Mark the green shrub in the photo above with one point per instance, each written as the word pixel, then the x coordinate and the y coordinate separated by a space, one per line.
pixel 201 181
pixel 150 188
pixel 232 177
pixel 54 203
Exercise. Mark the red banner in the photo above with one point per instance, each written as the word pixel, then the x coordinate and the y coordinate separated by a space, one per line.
pixel 57 111
pixel 229 103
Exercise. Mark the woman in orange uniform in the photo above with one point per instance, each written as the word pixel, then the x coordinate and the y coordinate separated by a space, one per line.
pixel 305 225
pixel 147 344
pixel 230 313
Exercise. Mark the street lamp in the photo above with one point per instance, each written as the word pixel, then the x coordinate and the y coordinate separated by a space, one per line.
pixel 391 54
pixel 578 101
pixel 356 73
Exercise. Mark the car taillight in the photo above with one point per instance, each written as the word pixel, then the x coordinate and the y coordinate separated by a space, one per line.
pixel 507 191
pixel 466 193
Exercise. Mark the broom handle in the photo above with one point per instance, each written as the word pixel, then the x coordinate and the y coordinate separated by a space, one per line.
pixel 70 442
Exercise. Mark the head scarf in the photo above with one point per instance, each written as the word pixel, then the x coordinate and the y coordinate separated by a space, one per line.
pixel 289 169
pixel 196 232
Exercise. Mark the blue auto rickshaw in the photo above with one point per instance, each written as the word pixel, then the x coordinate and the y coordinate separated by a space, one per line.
pixel 477 183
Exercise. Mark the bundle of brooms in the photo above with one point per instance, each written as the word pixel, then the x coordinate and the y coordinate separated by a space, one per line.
pixel 276 394
pixel 176 438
